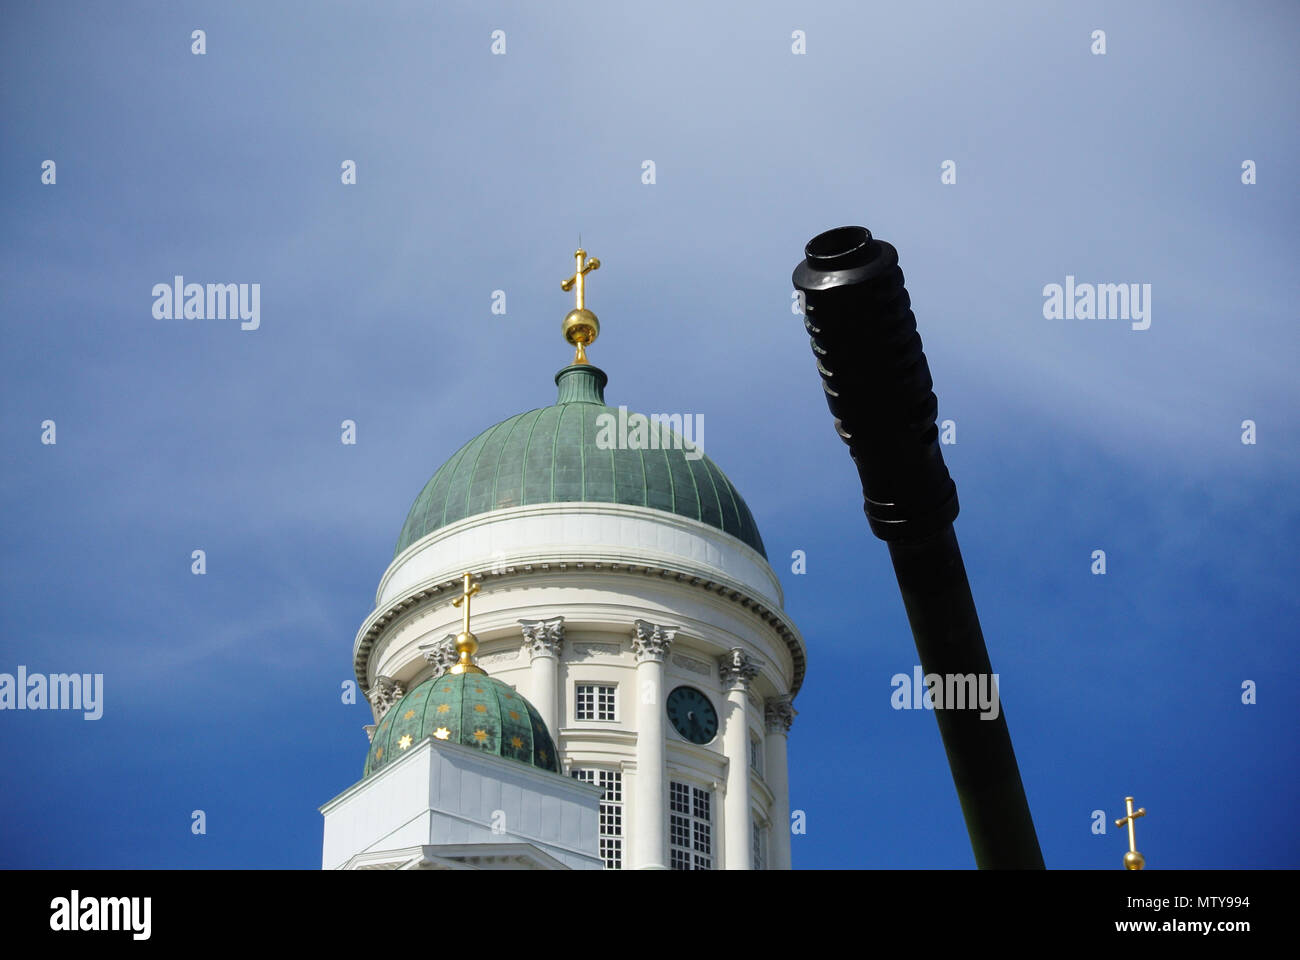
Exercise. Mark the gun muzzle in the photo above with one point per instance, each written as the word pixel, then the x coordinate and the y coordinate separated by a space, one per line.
pixel 878 388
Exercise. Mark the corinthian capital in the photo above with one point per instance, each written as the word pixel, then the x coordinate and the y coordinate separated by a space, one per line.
pixel 384 694
pixel 544 638
pixel 651 641
pixel 736 667
pixel 778 714
pixel 442 654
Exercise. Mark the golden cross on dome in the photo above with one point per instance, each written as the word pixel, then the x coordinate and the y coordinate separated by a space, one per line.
pixel 466 642
pixel 1132 860
pixel 467 592
pixel 580 326
pixel 581 267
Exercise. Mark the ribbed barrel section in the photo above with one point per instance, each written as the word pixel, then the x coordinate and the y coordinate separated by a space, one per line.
pixel 876 379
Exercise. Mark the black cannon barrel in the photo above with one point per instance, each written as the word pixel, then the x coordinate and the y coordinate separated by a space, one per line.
pixel 878 388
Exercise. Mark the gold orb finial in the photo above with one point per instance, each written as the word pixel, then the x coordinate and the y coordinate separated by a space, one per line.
pixel 580 326
pixel 466 642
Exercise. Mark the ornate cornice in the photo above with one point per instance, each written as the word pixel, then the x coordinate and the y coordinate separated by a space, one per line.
pixel 737 668
pixel 543 638
pixel 650 641
pixel 778 714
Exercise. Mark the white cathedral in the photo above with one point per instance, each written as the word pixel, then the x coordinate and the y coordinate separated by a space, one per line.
pixel 625 697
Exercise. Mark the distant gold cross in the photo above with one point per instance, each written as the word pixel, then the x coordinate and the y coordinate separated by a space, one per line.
pixel 469 591
pixel 582 267
pixel 1133 860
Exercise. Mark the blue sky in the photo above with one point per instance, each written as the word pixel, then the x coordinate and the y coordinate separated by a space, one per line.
pixel 477 172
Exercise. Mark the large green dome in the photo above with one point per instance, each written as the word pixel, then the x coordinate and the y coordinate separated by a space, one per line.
pixel 471 709
pixel 550 455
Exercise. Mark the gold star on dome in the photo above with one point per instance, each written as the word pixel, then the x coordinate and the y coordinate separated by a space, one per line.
pixel 480 708
pixel 514 714
pixel 443 708
pixel 404 742
pixel 542 754
pixel 480 735
pixel 442 733
pixel 379 753
pixel 446 689
pixel 516 743
pixel 478 689
pixel 408 714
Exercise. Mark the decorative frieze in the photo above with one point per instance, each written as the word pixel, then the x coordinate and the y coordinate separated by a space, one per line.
pixel 498 658
pixel 544 638
pixel 693 665
pixel 650 641
pixel 586 651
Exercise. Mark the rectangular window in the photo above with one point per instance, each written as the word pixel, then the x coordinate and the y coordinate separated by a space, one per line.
pixel 759 848
pixel 756 755
pixel 611 813
pixel 594 701
pixel 690 827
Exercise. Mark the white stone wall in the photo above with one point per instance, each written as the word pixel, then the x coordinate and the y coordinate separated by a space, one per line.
pixel 443 794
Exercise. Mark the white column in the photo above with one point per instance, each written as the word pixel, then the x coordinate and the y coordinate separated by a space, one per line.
pixel 649 814
pixel 778 714
pixel 544 638
pixel 737 669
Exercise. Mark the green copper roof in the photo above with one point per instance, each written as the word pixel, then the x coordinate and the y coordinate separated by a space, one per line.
pixel 550 455
pixel 467 708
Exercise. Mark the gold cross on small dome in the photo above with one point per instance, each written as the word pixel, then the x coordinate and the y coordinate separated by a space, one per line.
pixel 580 326
pixel 466 642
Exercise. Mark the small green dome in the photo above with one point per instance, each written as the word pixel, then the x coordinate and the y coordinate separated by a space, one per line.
pixel 550 455
pixel 466 708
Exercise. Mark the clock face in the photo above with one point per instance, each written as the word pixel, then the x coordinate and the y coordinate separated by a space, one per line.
pixel 692 715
